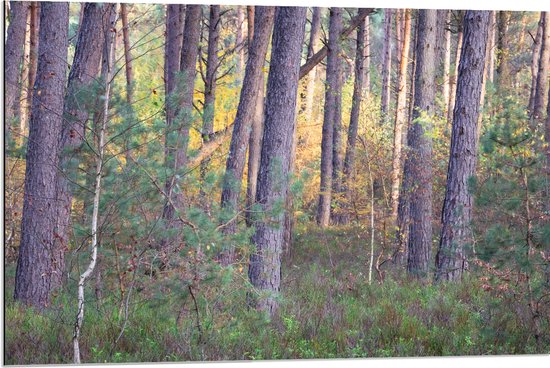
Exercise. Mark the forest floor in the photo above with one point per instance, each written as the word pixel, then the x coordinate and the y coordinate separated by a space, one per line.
pixel 328 310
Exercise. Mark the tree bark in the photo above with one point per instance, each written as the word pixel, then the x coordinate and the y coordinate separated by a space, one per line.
pixel 282 87
pixel 33 54
pixel 453 79
pixel 400 117
pixel 492 32
pixel 127 53
pixel 246 110
pixel 239 40
pixel 535 56
pixel 544 66
pixel 313 45
pixel 456 232
pixel 40 264
pixel 12 62
pixel 503 55
pixel 386 65
pixel 444 42
pixel 332 95
pixel 418 165
pixel 88 53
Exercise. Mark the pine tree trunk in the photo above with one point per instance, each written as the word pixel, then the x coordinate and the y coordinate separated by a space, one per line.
pixel 456 232
pixel 542 75
pixel 419 156
pixel 366 67
pixel 239 41
pixel 453 79
pixel 332 95
pixel 444 45
pixel 503 55
pixel 40 264
pixel 34 26
pixel 535 56
pixel 313 45
pixel 12 62
pixel 246 110
pixel 400 117
pixel 492 57
pixel 358 88
pixel 127 54
pixel 386 65
pixel 282 87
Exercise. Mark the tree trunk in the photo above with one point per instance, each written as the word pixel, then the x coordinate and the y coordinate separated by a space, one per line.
pixel 535 63
pixel 366 61
pixel 453 79
pixel 282 87
pixel 12 62
pixel 400 117
pixel 332 95
pixel 456 232
pixel 544 65
pixel 492 32
pixel 88 53
pixel 33 54
pixel 358 87
pixel 246 110
pixel 419 156
pixel 313 45
pixel 386 65
pixel 239 41
pixel 503 55
pixel 127 53
pixel 40 264
pixel 444 42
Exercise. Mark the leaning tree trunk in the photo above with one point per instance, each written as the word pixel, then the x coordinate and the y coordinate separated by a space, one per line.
pixel 312 46
pixel 419 156
pixel 332 95
pixel 544 66
pixel 400 117
pixel 358 86
pixel 40 264
pixel 386 65
pixel 282 88
pixel 456 231
pixel 12 62
pixel 246 110
pixel 535 55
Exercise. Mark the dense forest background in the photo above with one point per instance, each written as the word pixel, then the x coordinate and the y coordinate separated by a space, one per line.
pixel 193 182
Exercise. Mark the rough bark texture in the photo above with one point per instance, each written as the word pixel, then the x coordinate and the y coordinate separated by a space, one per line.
pixel 313 45
pixel 400 117
pixel 386 65
pixel 252 83
pixel 456 232
pixel 544 67
pixel 34 26
pixel 332 94
pixel 88 53
pixel 419 156
pixel 127 53
pixel 12 61
pixel 535 55
pixel 358 88
pixel 40 264
pixel 282 87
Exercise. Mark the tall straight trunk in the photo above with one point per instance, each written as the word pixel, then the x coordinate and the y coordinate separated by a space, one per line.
pixel 313 45
pixel 34 18
pixel 12 62
pixel 503 55
pixel 492 40
pixel 366 62
pixel 456 231
pixel 444 45
pixel 453 79
pixel 288 222
pixel 40 264
pixel 400 117
pixel 418 165
pixel 399 14
pixel 239 40
pixel 255 139
pixel 332 94
pixel 535 56
pixel 282 88
pixel 358 88
pixel 252 83
pixel 544 66
pixel 87 57
pixel 386 65
pixel 181 96
pixel 127 53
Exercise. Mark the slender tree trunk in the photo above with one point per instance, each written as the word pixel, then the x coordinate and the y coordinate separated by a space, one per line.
pixel 127 53
pixel 358 87
pixel 535 63
pixel 239 41
pixel 419 156
pixel 246 111
pixel 541 91
pixel 12 62
pixel 503 55
pixel 398 35
pixel 366 61
pixel 332 94
pixel 400 117
pixel 456 232
pixel 313 45
pixel 492 32
pixel 282 88
pixel 386 66
pixel 453 79
pixel 444 45
pixel 40 264
pixel 33 55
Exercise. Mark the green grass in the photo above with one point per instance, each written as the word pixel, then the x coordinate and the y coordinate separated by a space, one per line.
pixel 328 310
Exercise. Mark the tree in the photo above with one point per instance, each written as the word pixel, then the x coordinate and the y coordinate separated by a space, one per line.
pixel 12 61
pixel 456 232
pixel 535 55
pixel 332 95
pixel 252 82
pixel 239 40
pixel 418 164
pixel 400 116
pixel 40 264
pixel 541 91
pixel 282 87
pixel 503 45
pixel 30 76
pixel 386 64
pixel 127 53
pixel 313 45
pixel 453 79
